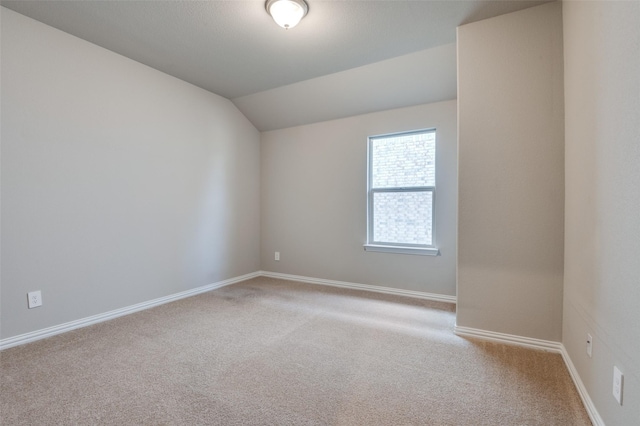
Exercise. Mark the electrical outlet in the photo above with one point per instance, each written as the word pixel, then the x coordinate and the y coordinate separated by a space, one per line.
pixel 589 344
pixel 34 298
pixel 277 256
pixel 618 383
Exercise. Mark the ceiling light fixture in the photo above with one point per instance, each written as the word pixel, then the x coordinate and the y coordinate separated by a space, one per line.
pixel 287 13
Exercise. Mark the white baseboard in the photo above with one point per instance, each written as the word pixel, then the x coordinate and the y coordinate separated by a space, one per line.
pixel 367 287
pixel 84 322
pixel 582 390
pixel 509 339
pixel 547 345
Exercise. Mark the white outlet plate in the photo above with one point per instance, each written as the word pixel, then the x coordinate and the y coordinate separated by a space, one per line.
pixel 589 345
pixel 34 299
pixel 277 256
pixel 618 383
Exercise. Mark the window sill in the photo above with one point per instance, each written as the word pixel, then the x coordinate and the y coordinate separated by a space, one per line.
pixel 403 250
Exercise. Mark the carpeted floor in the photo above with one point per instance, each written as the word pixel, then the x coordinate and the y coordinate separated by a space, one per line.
pixel 271 352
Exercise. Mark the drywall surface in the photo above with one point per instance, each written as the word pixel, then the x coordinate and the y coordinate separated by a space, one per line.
pixel 314 192
pixel 602 226
pixel 427 76
pixel 120 184
pixel 511 174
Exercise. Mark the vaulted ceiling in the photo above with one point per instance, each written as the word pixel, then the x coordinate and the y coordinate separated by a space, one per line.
pixel 234 49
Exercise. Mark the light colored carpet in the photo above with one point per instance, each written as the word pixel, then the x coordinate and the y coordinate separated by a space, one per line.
pixel 271 352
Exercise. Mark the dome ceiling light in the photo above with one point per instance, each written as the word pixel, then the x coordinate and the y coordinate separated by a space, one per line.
pixel 287 13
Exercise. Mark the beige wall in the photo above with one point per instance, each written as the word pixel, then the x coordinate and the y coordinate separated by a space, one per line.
pixel 120 184
pixel 511 165
pixel 602 239
pixel 314 201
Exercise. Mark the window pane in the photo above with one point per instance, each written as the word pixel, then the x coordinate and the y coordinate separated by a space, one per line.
pixel 404 161
pixel 402 217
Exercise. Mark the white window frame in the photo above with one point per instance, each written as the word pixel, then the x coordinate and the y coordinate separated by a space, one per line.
pixel 401 248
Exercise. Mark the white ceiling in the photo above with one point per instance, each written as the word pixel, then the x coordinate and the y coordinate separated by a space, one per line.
pixel 234 49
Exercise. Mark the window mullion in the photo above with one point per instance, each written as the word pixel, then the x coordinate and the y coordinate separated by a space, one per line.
pixel 405 189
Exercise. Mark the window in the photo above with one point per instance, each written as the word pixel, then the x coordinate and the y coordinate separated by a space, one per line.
pixel 401 193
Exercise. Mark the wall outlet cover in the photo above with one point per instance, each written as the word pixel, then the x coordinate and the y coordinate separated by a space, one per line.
pixel 34 299
pixel 618 384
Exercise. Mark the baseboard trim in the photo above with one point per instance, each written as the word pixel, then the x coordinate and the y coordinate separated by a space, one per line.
pixel 95 319
pixel 546 345
pixel 509 339
pixel 366 287
pixel 582 390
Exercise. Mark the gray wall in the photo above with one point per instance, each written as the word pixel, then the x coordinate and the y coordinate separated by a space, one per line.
pixel 602 238
pixel 511 162
pixel 314 201
pixel 120 184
